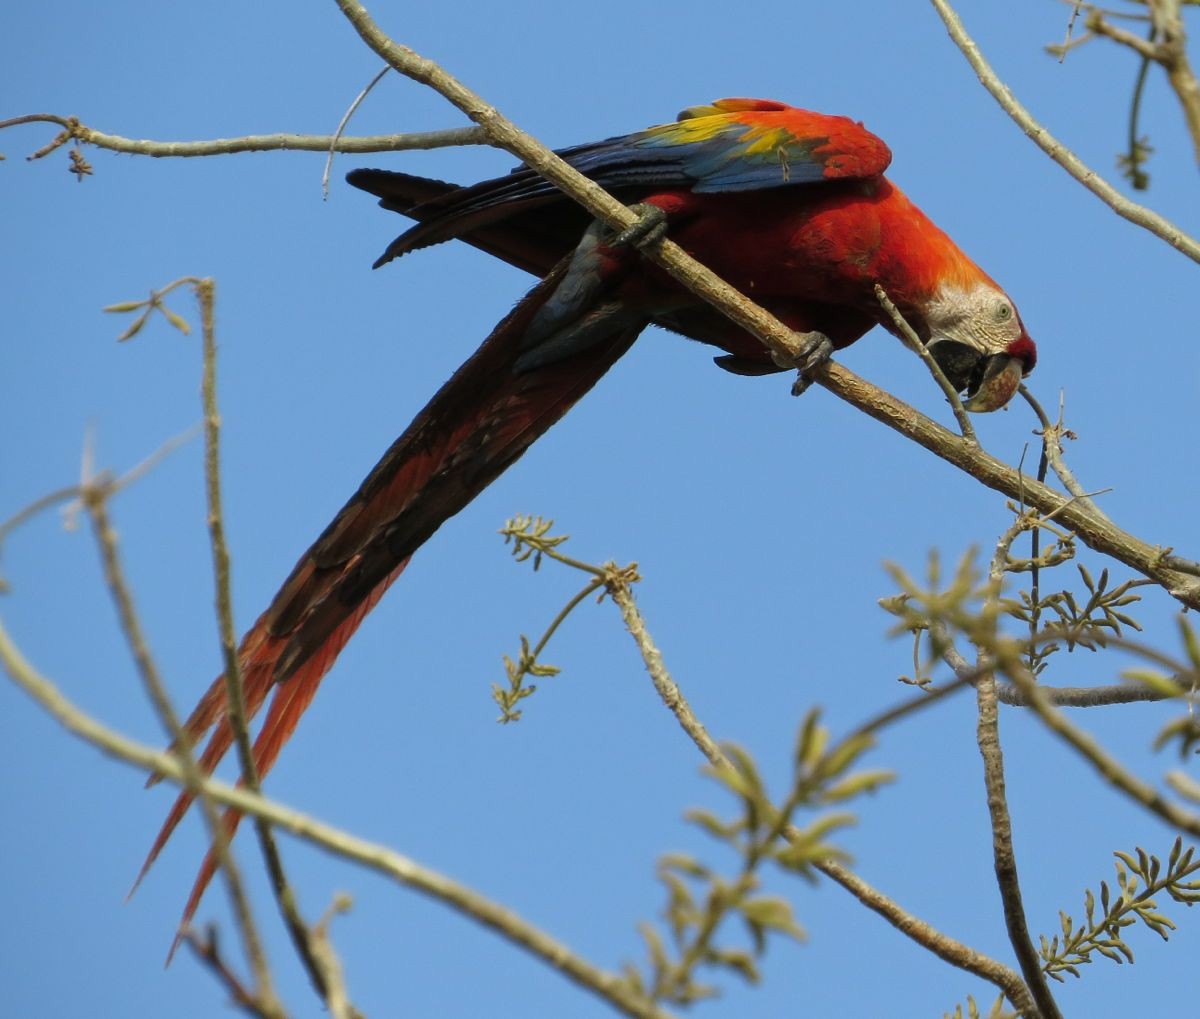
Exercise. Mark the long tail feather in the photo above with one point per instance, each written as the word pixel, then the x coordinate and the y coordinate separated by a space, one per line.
pixel 290 702
pixel 481 421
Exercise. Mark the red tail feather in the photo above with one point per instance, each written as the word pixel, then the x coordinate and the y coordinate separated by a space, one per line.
pixel 257 654
pixel 478 424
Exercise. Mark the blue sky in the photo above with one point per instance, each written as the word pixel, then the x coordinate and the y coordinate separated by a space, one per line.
pixel 760 523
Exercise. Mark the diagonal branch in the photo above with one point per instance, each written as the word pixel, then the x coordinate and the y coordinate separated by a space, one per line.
pixel 944 947
pixel 911 340
pixel 1173 56
pixel 503 132
pixel 1096 532
pixel 1056 150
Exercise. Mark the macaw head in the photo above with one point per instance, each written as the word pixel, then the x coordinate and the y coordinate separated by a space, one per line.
pixel 977 338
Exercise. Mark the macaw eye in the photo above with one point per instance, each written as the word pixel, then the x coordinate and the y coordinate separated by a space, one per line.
pixel 1003 311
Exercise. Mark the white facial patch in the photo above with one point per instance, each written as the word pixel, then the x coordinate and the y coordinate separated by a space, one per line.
pixel 981 317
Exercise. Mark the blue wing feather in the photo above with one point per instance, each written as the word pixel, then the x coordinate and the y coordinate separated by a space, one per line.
pixel 732 145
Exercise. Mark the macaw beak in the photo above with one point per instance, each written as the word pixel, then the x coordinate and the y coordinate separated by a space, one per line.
pixel 989 381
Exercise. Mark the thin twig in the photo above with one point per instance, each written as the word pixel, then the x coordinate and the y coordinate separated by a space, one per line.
pixel 1079 5
pixel 1004 859
pixel 236 706
pixel 622 596
pixel 1173 56
pixel 39 505
pixel 1138 153
pixel 528 660
pixel 589 589
pixel 112 486
pixel 208 952
pixel 94 499
pixel 205 295
pixel 337 135
pixel 1035 532
pixel 1089 178
pixel 1145 48
pixel 94 494
pixel 1067 44
pixel 911 340
pixel 1003 851
pixel 73 130
pixel 336 998
pixel 507 924
pixel 1052 434
pixel 301 935
pixel 1058 696
pixel 205 290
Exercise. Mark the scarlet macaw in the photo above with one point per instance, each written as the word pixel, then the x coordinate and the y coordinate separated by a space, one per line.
pixel 789 206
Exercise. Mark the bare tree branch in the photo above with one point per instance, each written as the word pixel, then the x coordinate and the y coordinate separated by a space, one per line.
pixel 208 951
pixel 73 130
pixel 1098 24
pixel 1003 853
pixel 1097 185
pixel 1173 56
pixel 94 494
pixel 106 539
pixel 1052 435
pixel 1097 532
pixel 302 937
pixel 1003 850
pixel 504 922
pixel 1082 696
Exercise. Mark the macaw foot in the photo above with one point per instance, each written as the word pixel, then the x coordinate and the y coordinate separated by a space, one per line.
pixel 650 228
pixel 816 349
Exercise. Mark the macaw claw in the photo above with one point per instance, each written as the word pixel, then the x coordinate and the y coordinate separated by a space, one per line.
pixel 817 349
pixel 650 228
